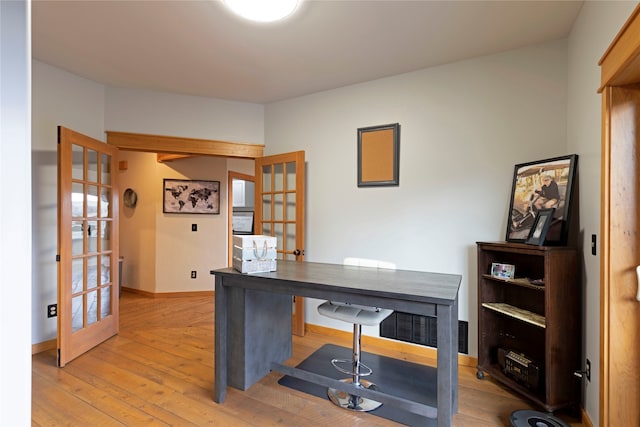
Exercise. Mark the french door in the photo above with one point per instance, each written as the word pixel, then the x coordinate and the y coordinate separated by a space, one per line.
pixel 279 211
pixel 87 244
pixel 620 247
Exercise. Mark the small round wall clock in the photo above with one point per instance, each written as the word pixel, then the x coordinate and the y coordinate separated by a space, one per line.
pixel 130 198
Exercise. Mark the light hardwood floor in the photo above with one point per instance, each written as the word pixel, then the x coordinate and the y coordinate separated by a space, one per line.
pixel 159 371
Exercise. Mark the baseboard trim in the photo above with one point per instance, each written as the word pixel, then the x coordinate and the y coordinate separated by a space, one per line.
pixel 169 294
pixel 409 348
pixel 44 346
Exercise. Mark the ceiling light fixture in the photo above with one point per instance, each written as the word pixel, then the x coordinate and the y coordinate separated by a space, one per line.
pixel 263 10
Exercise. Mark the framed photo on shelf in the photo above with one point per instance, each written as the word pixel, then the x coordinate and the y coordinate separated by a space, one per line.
pixel 191 197
pixel 540 227
pixel 543 184
pixel 503 271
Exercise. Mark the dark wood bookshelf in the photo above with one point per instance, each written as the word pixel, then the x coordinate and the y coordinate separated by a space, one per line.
pixel 536 314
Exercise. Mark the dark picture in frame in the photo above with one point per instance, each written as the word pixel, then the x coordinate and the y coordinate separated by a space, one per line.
pixel 540 227
pixel 191 196
pixel 539 185
pixel 379 156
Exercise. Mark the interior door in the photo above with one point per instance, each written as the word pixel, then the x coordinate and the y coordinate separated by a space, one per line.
pixel 88 273
pixel 620 248
pixel 279 211
pixel 620 257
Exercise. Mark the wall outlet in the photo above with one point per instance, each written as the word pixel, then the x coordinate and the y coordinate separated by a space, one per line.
pixel 588 370
pixel 52 310
pixel 193 274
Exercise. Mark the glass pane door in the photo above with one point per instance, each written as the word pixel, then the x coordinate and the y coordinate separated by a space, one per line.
pixel 280 189
pixel 87 244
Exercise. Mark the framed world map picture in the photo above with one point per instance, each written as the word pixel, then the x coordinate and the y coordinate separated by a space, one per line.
pixel 191 197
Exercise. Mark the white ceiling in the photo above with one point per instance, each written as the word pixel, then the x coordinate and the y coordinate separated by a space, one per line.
pixel 196 47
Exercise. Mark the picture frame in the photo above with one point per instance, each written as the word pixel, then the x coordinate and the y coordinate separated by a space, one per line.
pixel 379 155
pixel 540 227
pixel 185 196
pixel 503 271
pixel 533 187
pixel 242 222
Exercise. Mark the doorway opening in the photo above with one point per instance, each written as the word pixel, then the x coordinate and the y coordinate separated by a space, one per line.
pixel 240 197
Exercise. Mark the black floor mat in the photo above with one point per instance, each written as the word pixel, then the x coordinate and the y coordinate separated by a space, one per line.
pixel 393 376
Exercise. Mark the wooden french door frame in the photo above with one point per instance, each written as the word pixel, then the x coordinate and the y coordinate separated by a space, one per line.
pixel 88 240
pixel 620 243
pixel 279 211
pixel 72 344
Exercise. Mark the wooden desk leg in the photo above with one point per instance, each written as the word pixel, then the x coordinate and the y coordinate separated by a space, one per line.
pixel 447 370
pixel 220 356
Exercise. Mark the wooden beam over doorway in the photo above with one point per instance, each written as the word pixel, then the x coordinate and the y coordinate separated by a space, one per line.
pixel 178 147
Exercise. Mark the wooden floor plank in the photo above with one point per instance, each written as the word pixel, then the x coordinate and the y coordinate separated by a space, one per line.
pixel 159 371
pixel 67 408
pixel 117 409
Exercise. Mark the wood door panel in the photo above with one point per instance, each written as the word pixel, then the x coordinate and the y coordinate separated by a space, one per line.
pixel 621 363
pixel 88 273
pixel 620 249
pixel 279 211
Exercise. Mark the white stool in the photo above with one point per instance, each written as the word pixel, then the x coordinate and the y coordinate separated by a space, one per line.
pixel 358 315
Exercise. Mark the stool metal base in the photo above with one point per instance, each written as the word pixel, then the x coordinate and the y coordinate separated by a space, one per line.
pixel 352 402
pixel 354 368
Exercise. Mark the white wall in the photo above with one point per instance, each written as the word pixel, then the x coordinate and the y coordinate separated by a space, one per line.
pixel 244 166
pixel 593 31
pixel 15 213
pixel 59 98
pixel 158 113
pixel 180 250
pixel 138 225
pixel 463 128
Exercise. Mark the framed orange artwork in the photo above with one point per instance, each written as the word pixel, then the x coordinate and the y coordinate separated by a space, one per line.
pixel 379 156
